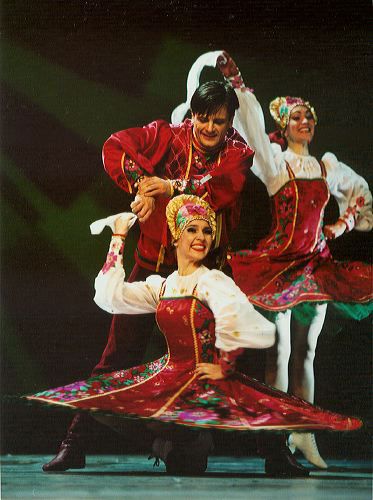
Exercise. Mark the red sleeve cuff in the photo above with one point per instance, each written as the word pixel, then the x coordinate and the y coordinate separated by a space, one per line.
pixel 227 361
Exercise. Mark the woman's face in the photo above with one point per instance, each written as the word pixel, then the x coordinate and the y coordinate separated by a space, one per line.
pixel 301 126
pixel 195 241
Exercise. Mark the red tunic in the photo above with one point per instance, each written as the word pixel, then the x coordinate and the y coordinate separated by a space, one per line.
pixel 294 264
pixel 166 151
pixel 168 389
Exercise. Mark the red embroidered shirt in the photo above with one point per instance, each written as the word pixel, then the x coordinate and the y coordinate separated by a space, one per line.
pixel 167 151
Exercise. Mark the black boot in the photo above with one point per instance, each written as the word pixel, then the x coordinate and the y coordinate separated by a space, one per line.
pixel 187 455
pixel 71 454
pixel 279 461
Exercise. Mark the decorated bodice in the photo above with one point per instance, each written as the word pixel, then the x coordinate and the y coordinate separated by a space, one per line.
pixel 189 328
pixel 298 211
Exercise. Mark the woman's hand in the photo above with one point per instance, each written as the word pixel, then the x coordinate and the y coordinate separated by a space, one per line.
pixel 333 231
pixel 143 207
pixel 209 371
pixel 123 223
pixel 155 186
pixel 226 65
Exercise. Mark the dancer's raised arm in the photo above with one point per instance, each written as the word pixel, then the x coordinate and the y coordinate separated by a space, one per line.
pixel 113 293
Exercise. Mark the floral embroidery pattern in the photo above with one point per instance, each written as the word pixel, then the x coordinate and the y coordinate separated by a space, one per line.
pixel 169 391
pixel 284 206
pixel 351 215
pixel 102 384
pixel 189 210
pixel 114 255
pixel 202 166
pixel 111 260
pixel 191 187
pixel 237 81
pixel 199 405
pixel 205 331
pixel 300 286
pixel 132 170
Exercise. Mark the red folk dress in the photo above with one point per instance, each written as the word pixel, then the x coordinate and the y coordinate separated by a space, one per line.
pixel 197 329
pixel 167 389
pixel 294 264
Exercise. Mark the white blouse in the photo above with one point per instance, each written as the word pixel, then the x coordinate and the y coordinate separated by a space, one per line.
pixel 237 323
pixel 350 190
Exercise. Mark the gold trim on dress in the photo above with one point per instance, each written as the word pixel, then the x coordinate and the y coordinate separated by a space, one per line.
pixel 318 233
pixel 292 176
pixel 160 258
pixel 271 280
pixel 114 390
pixel 196 356
pixel 124 173
pixel 189 161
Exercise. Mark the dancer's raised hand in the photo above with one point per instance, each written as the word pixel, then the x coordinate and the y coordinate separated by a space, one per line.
pixel 123 223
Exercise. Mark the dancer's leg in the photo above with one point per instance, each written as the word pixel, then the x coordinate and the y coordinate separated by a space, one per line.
pixel 126 345
pixel 302 379
pixel 279 461
pixel 277 359
pixel 183 450
pixel 272 447
pixel 304 342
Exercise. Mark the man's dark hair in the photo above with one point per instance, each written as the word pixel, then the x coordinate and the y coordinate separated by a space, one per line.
pixel 212 96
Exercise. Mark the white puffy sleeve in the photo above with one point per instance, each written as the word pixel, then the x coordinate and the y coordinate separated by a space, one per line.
pixel 237 323
pixel 115 295
pixel 351 192
pixel 249 122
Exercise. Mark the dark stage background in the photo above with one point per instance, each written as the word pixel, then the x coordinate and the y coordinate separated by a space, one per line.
pixel 72 73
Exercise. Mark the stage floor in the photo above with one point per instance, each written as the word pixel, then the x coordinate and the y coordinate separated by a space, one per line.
pixel 128 477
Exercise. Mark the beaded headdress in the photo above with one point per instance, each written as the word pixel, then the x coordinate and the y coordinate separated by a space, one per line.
pixel 281 108
pixel 184 208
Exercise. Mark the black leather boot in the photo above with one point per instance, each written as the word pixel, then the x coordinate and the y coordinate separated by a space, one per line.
pixel 279 461
pixel 187 455
pixel 71 454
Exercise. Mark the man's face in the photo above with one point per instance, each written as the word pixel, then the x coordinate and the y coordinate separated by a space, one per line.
pixel 210 130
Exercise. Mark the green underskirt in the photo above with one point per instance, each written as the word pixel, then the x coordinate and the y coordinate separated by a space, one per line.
pixel 306 311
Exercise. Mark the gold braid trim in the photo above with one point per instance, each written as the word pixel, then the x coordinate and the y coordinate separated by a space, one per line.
pixel 124 173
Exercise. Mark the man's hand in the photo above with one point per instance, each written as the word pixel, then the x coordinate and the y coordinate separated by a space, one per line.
pixel 209 371
pixel 155 186
pixel 333 231
pixel 143 207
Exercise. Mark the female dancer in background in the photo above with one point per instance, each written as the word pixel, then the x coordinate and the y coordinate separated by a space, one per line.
pixel 206 320
pixel 292 272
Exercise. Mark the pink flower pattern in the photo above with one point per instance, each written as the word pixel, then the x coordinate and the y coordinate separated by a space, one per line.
pixel 114 256
pixel 360 201
pixel 107 382
pixel 111 260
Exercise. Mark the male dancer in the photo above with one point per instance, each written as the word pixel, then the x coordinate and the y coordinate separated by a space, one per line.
pixel 203 156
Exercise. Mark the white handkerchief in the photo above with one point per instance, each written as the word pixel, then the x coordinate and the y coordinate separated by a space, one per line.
pixel 97 226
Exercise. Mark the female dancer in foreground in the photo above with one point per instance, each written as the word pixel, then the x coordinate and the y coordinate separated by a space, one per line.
pixel 292 272
pixel 206 320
